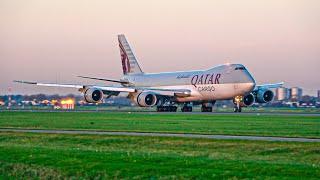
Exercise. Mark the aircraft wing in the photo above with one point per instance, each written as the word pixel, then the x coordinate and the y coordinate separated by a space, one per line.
pixel 78 86
pixel 268 86
pixel 105 89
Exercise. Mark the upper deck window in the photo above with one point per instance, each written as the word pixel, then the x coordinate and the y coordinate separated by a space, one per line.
pixel 240 68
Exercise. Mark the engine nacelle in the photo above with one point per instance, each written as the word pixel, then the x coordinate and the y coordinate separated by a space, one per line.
pixel 246 100
pixel 264 96
pixel 93 95
pixel 146 99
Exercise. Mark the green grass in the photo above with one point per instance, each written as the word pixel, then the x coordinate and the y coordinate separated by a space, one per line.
pixel 261 125
pixel 26 155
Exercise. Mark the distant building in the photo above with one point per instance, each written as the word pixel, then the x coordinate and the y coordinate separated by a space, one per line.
pixel 282 94
pixel 318 95
pixel 295 94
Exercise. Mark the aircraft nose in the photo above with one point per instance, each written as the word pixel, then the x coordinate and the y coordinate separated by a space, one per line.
pixel 251 82
pixel 252 85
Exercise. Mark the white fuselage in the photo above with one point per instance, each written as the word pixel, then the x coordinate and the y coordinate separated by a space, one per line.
pixel 219 83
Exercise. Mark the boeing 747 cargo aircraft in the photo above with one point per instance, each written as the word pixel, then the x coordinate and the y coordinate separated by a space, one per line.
pixel 169 89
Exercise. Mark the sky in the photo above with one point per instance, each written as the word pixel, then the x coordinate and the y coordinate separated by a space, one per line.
pixel 56 40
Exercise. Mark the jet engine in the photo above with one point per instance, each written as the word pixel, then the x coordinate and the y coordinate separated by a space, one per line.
pixel 146 99
pixel 246 100
pixel 264 96
pixel 93 95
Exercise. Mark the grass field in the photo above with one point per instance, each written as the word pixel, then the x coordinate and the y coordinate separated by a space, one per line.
pixel 59 156
pixel 26 155
pixel 261 125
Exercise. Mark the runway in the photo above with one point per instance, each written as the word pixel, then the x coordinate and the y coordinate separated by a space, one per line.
pixel 242 113
pixel 154 134
pixel 180 113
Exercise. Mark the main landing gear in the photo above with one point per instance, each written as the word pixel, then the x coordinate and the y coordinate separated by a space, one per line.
pixel 186 109
pixel 167 108
pixel 173 108
pixel 207 107
pixel 165 105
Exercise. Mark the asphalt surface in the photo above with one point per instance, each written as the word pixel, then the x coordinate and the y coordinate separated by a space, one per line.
pixel 151 134
pixel 242 113
pixel 154 112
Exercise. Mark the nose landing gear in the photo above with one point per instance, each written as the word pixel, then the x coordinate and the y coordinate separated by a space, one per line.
pixel 237 104
pixel 237 109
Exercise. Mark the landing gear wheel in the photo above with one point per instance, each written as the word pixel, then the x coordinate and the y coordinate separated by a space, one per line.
pixel 237 109
pixel 173 108
pixel 206 109
pixel 186 109
pixel 159 108
pixel 167 108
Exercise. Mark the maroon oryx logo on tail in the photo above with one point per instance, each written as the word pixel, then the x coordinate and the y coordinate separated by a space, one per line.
pixel 124 59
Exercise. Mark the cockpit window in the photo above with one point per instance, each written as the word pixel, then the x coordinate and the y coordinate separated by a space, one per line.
pixel 240 68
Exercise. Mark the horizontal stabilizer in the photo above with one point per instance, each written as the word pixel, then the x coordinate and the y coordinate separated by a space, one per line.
pixel 52 84
pixel 25 82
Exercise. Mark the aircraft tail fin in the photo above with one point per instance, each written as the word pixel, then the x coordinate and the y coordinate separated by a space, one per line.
pixel 129 62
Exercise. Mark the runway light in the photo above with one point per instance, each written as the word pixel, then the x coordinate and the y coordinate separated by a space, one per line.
pixel 67 103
